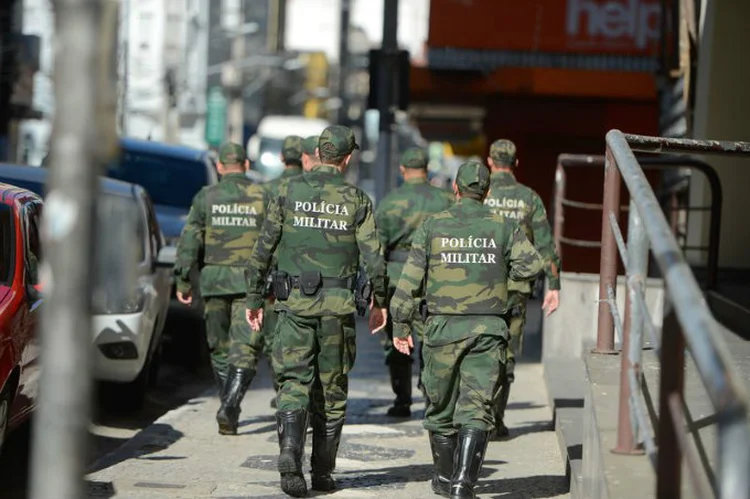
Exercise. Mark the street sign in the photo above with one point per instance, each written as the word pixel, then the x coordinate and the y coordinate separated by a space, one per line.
pixel 216 117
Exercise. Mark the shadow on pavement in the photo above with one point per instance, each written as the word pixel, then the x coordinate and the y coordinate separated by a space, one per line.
pixel 155 438
pixel 530 487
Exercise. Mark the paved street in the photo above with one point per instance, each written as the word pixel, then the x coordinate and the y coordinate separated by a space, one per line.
pixel 181 455
pixel 178 382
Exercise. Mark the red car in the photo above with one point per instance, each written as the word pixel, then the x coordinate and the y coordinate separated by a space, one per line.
pixel 20 297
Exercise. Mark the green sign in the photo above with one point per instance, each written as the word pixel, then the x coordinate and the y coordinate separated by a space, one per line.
pixel 216 117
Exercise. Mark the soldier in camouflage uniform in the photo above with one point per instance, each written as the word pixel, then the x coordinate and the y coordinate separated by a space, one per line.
pixel 310 152
pixel 397 217
pixel 460 264
pixel 291 155
pixel 319 226
pixel 223 225
pixel 515 201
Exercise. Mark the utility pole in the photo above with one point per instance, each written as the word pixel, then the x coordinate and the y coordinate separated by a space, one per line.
pixel 84 138
pixel 346 8
pixel 232 77
pixel 388 79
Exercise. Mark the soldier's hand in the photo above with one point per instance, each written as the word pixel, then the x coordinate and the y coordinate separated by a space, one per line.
pixel 404 345
pixel 254 318
pixel 551 301
pixel 378 319
pixel 185 298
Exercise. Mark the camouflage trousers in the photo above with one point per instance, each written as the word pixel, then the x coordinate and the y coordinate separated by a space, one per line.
pixel 460 380
pixel 516 320
pixel 270 317
pixel 312 357
pixel 230 339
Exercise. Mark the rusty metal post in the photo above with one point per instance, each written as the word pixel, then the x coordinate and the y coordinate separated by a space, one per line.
pixel 559 218
pixel 605 336
pixel 669 460
pixel 632 341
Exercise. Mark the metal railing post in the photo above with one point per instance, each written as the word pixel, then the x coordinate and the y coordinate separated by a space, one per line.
pixel 605 336
pixel 669 459
pixel 632 342
pixel 559 216
pixel 734 454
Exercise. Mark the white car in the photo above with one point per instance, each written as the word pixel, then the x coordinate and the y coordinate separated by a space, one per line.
pixel 264 148
pixel 128 326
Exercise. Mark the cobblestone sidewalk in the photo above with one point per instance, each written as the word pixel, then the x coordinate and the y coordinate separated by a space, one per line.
pixel 182 456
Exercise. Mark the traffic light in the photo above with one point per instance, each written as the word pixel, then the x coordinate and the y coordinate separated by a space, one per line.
pixel 401 68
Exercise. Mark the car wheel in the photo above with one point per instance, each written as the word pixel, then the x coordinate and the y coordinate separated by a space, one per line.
pixel 4 416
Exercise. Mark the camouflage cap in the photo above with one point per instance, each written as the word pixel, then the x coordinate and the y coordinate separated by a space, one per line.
pixel 415 158
pixel 232 153
pixel 292 148
pixel 310 144
pixel 473 177
pixel 337 141
pixel 503 151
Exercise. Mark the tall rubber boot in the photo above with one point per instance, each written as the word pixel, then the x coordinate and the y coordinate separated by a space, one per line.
pixel 228 414
pixel 501 431
pixel 467 462
pixel 443 448
pixel 220 378
pixel 400 371
pixel 291 427
pixel 326 436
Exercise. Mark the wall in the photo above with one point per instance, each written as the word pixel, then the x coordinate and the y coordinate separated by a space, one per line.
pixel 723 113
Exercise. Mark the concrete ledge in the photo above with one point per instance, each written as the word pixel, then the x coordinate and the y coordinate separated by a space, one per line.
pixel 607 475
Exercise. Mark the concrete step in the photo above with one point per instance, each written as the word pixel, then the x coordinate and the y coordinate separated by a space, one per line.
pixel 565 380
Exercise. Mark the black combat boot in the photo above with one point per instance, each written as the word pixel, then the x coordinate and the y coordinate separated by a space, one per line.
pixel 467 462
pixel 501 431
pixel 443 449
pixel 292 430
pixel 236 385
pixel 326 438
pixel 400 371
pixel 220 378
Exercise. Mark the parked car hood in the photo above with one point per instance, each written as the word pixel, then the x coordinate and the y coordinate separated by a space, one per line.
pixel 171 221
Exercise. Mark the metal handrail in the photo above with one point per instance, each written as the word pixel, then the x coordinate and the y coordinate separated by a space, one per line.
pixel 689 322
pixel 658 162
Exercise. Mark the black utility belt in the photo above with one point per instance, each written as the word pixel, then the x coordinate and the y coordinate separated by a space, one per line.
pixel 308 283
pixel 424 313
pixel 398 256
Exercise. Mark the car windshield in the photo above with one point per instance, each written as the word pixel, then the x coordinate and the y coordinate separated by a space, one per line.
pixel 6 244
pixel 114 237
pixel 169 181
pixel 269 158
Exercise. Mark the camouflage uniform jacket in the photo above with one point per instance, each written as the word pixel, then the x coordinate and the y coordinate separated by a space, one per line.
pixel 401 212
pixel 318 223
pixel 511 199
pixel 221 229
pixel 460 263
pixel 274 185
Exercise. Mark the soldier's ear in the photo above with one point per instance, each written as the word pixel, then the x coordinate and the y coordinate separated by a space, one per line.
pixel 516 164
